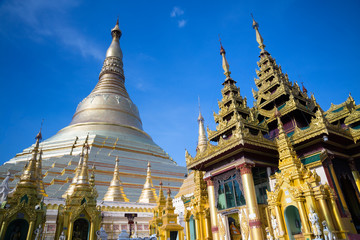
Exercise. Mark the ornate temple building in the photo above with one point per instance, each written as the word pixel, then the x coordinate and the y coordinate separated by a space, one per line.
pixel 103 170
pixel 282 169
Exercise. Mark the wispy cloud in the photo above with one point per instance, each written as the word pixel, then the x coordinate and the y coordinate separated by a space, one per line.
pixel 176 12
pixel 182 23
pixel 45 20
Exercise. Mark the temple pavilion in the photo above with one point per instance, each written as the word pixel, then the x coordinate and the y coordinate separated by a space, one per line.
pixel 282 169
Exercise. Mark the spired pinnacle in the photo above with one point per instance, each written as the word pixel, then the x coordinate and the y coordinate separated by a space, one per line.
pixel 225 64
pixel 259 39
pixel 202 139
pixel 148 194
pixel 114 50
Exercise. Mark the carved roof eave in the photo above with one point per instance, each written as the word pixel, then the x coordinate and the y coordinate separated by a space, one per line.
pixel 248 124
pixel 317 130
pixel 355 133
pixel 353 117
pixel 212 151
pixel 289 107
pixel 332 117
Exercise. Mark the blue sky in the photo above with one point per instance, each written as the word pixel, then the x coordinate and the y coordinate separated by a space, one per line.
pixel 51 53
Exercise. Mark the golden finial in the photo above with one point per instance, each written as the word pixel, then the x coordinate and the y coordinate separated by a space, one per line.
pixel 40 182
pixel 83 179
pixel 148 194
pixel 115 191
pixel 225 64
pixel 114 50
pixel 92 177
pixel 202 139
pixel 259 39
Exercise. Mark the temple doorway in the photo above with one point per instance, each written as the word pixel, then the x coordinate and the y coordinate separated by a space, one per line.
pixel 192 228
pixel 234 226
pixel 17 230
pixel 81 229
pixel 293 222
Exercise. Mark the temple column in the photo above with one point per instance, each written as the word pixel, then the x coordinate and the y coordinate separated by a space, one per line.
pixel 207 225
pixel 70 230
pixel 92 231
pixel 342 228
pixel 251 203
pixel 327 214
pixel 280 221
pixel 213 209
pixel 304 219
pixel 31 230
pixel 3 230
pixel 339 191
pixel 355 173
pixel 187 228
pixel 197 226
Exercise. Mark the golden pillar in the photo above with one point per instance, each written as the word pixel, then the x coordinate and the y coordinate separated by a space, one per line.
pixel 92 231
pixel 2 231
pixel 70 230
pixel 187 228
pixel 339 191
pixel 280 220
pixel 197 227
pixel 251 202
pixel 337 215
pixel 207 225
pixel 304 219
pixel 31 230
pixel 213 209
pixel 355 173
pixel 327 214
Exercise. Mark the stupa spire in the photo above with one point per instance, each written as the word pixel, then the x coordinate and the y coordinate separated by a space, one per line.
pixel 202 139
pixel 148 194
pixel 225 64
pixel 83 179
pixel 259 38
pixel 40 182
pixel 161 200
pixel 115 191
pixel 30 175
pixel 287 155
pixel 71 188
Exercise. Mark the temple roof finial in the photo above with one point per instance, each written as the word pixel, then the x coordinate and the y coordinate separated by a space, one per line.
pixel 114 50
pixel 116 190
pixel 225 64
pixel 148 194
pixel 202 139
pixel 259 39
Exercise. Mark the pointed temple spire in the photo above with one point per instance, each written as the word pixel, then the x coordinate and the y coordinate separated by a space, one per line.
pixel 40 183
pixel 148 194
pixel 83 179
pixel 115 191
pixel 161 199
pixel 71 188
pixel 287 155
pixel 225 64
pixel 29 177
pixel 202 139
pixel 259 38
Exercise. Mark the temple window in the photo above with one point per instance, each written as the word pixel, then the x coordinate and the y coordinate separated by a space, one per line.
pixel 229 193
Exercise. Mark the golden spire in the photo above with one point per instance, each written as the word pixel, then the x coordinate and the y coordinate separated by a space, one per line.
pixel 202 140
pixel 169 203
pixel 83 179
pixel 225 64
pixel 114 50
pixel 115 191
pixel 161 200
pixel 148 194
pixel 92 177
pixel 259 39
pixel 287 154
pixel 40 183
pixel 29 176
pixel 71 188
